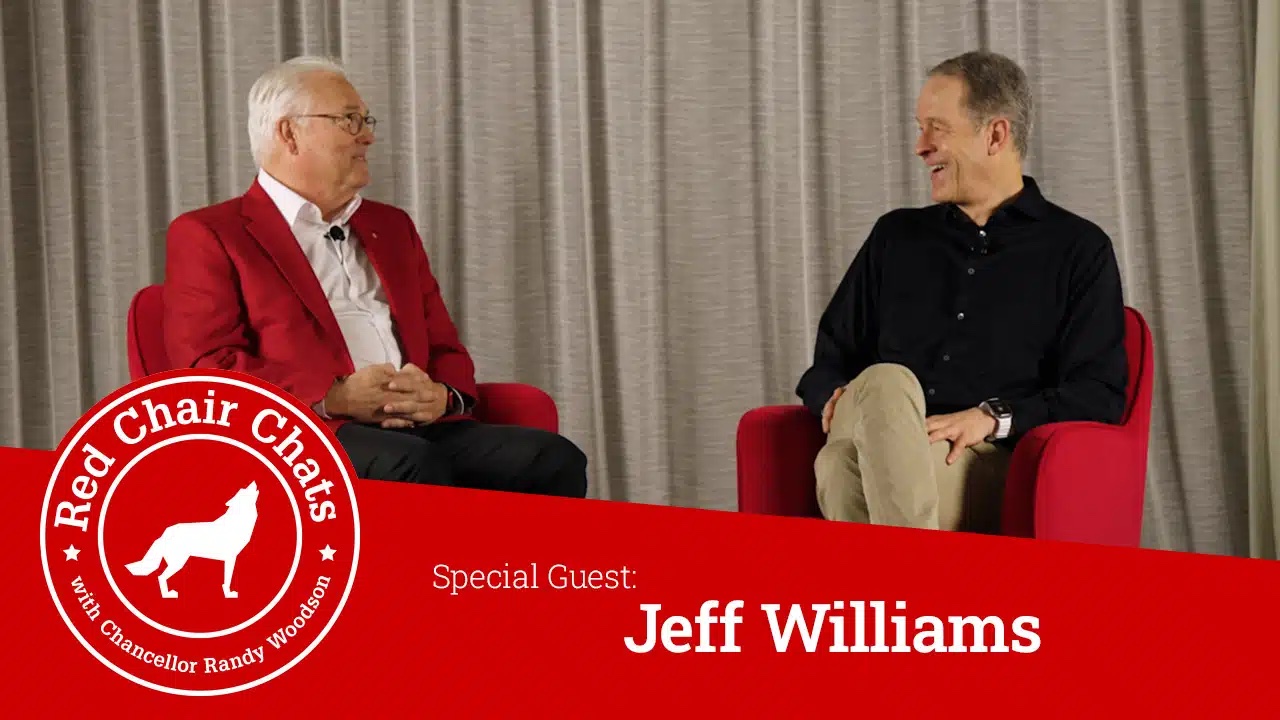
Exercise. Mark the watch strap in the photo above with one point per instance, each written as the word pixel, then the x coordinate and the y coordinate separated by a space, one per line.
pixel 1004 420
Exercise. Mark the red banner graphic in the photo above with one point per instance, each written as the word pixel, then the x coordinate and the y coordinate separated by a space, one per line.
pixel 484 602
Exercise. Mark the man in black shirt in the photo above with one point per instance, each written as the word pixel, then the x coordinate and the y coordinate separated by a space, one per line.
pixel 962 325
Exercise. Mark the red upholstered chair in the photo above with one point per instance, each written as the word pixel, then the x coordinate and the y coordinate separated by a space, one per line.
pixel 1078 481
pixel 499 403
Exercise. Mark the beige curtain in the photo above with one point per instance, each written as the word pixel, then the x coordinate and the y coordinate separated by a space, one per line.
pixel 640 205
pixel 1264 386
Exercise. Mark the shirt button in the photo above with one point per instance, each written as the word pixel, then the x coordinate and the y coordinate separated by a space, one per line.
pixel 946 358
pixel 931 391
pixel 959 316
pixel 971 271
pixel 982 233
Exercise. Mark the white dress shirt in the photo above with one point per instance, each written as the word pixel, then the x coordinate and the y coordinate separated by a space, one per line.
pixel 350 283
pixel 346 275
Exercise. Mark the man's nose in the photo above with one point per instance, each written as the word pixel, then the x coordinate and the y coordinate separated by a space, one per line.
pixel 923 146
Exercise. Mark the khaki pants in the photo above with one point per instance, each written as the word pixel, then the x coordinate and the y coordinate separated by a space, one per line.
pixel 878 466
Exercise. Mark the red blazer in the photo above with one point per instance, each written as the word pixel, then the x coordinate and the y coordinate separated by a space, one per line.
pixel 240 295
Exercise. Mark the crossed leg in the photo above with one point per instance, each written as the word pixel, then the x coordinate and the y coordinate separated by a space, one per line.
pixel 879 467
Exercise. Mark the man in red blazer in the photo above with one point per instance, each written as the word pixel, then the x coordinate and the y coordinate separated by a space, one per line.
pixel 330 296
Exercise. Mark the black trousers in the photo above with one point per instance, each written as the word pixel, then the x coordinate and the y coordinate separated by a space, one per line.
pixel 468 453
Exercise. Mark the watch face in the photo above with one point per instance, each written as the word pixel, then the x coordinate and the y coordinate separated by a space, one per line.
pixel 999 407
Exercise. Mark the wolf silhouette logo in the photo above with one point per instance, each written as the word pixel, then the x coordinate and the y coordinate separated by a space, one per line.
pixel 220 539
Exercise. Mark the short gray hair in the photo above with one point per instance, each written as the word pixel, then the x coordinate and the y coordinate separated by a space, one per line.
pixel 994 85
pixel 280 91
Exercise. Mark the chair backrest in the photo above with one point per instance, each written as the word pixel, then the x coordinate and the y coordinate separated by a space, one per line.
pixel 147 354
pixel 1139 350
pixel 1137 347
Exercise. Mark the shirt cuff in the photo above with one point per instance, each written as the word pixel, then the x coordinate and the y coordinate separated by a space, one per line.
pixel 319 408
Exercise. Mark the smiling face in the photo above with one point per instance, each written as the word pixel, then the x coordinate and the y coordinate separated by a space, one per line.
pixel 324 149
pixel 962 158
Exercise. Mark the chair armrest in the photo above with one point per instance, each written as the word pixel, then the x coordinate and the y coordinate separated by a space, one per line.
pixel 1076 481
pixel 777 445
pixel 516 404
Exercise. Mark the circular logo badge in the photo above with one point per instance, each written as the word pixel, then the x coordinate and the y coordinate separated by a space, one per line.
pixel 200 532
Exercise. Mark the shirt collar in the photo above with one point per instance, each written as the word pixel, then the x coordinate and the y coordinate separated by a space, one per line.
pixel 1029 203
pixel 294 207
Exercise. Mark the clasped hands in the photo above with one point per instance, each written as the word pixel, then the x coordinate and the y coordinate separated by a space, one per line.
pixel 389 397
pixel 963 429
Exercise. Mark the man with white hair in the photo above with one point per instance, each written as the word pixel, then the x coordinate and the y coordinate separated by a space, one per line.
pixel 330 296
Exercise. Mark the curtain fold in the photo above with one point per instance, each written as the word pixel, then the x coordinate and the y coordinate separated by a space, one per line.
pixel 1264 386
pixel 642 206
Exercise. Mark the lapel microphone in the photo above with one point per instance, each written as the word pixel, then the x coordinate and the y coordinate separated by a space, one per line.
pixel 335 233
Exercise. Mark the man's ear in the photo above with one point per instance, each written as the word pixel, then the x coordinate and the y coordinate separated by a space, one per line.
pixel 999 135
pixel 287 135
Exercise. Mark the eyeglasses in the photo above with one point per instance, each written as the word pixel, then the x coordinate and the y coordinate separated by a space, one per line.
pixel 351 122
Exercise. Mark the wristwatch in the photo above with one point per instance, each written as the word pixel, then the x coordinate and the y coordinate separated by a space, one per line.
pixel 1003 414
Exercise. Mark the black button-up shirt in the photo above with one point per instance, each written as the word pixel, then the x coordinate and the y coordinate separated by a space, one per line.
pixel 1027 309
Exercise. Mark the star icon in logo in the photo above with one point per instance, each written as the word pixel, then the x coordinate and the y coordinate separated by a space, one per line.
pixel 326 553
pixel 73 553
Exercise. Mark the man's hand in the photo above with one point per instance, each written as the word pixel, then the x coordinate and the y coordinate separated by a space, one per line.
pixel 361 395
pixel 414 398
pixel 829 409
pixel 964 429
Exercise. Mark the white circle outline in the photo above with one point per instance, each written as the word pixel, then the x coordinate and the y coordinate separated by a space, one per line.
pixel 307 422
pixel 102 546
